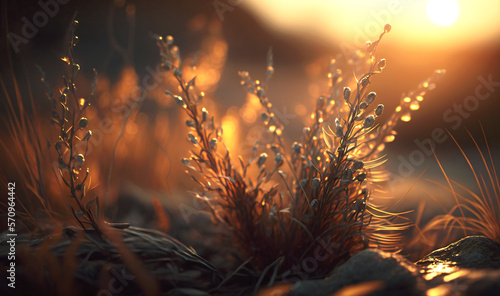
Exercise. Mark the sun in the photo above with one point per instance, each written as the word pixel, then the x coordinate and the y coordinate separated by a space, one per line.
pixel 443 12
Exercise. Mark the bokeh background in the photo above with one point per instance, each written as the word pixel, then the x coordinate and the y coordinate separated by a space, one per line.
pixel 226 36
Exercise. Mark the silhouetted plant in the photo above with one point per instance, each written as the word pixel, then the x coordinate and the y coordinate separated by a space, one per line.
pixel 310 201
pixel 68 115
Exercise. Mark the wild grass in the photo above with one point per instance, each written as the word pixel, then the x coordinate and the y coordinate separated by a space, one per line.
pixel 73 141
pixel 476 210
pixel 25 150
pixel 290 211
pixel 286 205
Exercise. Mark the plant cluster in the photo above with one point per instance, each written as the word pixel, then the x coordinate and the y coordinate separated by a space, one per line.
pixel 73 141
pixel 285 205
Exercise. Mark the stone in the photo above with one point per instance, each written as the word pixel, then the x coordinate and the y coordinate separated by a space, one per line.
pixel 370 270
pixel 477 252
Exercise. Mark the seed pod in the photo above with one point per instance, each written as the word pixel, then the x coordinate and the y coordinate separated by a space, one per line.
pixel 179 101
pixel 369 121
pixel 347 93
pixel 192 138
pixel 190 123
pixel 314 204
pixel 369 46
pixel 204 114
pixel 382 64
pixel 370 97
pixel 379 110
pixel 166 66
pixel 358 165
pixel 262 159
pixel 178 72
pixel 213 143
pixel 264 117
pixel 363 105
pixel 315 183
pixel 387 28
pixel 87 136
pixel 170 40
pixel 83 122
pixel 185 161
pixel 320 104
pixel 361 177
pixel 62 98
pixel 278 159
pixel 296 147
pixel 339 131
pixel 80 159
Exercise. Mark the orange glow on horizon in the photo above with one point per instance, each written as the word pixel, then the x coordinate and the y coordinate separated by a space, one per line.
pixel 349 24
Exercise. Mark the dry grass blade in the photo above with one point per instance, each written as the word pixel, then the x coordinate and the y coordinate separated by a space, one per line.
pixel 479 213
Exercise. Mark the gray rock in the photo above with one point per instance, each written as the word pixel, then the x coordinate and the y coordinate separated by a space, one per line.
pixel 387 273
pixel 476 252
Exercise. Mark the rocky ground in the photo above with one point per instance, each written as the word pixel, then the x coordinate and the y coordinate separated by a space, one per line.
pixel 470 266
pixel 132 260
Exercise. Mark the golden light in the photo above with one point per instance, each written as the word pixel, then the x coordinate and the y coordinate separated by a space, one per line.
pixel 230 125
pixel 349 24
pixel 443 12
pixel 406 117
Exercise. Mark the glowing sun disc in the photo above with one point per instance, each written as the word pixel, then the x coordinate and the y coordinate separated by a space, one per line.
pixel 443 12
